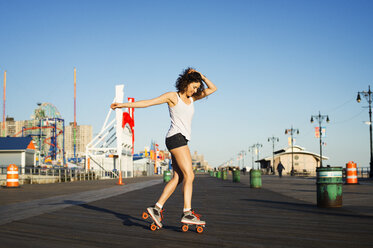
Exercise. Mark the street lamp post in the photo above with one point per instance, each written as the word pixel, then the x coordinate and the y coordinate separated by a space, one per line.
pixel 273 139
pixel 320 118
pixel 368 97
pixel 238 160
pixel 257 146
pixel 251 149
pixel 292 131
pixel 242 158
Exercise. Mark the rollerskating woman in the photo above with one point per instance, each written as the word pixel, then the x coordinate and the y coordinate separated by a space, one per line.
pixel 190 87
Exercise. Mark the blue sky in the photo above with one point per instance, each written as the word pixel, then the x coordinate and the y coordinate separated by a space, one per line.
pixel 275 63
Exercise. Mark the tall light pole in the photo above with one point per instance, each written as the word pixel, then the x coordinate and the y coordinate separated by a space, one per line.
pixel 368 97
pixel 251 149
pixel 320 118
pixel 242 158
pixel 273 139
pixel 238 160
pixel 291 132
pixel 257 146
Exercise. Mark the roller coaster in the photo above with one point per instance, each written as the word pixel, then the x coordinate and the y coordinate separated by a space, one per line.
pixel 47 130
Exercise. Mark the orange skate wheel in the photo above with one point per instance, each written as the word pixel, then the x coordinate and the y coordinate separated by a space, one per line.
pixel 199 229
pixel 145 215
pixel 153 227
pixel 184 228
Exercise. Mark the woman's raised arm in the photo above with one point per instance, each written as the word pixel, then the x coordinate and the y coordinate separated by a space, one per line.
pixel 165 98
pixel 211 88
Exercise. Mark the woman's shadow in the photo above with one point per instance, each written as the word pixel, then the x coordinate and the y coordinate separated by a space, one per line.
pixel 128 220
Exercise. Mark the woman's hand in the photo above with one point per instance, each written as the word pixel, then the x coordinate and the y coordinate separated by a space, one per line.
pixel 202 76
pixel 193 70
pixel 115 105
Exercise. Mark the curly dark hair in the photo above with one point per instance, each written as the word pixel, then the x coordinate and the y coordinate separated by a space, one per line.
pixel 187 77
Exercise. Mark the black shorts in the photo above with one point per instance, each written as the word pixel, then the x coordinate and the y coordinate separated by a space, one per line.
pixel 176 141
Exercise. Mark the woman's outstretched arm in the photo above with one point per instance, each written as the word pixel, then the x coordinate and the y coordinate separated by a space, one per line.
pixel 168 97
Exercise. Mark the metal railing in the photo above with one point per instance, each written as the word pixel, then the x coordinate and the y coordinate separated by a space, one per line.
pixel 38 175
pixel 363 172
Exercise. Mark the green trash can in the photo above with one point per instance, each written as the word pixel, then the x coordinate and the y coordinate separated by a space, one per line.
pixel 329 187
pixel 224 175
pixel 212 173
pixel 255 179
pixel 166 176
pixel 236 176
pixel 218 175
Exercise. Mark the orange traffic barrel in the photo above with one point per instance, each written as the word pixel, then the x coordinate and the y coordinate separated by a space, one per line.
pixel 12 176
pixel 351 173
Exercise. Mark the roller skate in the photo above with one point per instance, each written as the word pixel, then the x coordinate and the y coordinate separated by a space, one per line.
pixel 157 216
pixel 190 218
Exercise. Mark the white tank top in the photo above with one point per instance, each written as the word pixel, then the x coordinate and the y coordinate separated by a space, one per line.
pixel 181 118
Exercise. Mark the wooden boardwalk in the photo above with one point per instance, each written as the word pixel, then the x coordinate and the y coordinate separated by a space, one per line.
pixel 236 216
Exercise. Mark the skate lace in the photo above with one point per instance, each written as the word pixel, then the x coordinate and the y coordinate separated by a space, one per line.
pixel 197 215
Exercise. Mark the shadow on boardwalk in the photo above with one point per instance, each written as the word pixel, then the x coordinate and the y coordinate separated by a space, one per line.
pixel 126 219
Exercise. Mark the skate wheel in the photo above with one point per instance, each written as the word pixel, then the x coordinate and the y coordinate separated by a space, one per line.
pixel 153 227
pixel 184 228
pixel 199 229
pixel 145 215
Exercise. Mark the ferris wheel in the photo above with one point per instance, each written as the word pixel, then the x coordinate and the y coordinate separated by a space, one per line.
pixel 46 110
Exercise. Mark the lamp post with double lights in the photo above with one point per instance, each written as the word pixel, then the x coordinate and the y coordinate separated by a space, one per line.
pixel 273 139
pixel 256 147
pixel 320 118
pixel 241 155
pixel 251 149
pixel 368 97
pixel 291 132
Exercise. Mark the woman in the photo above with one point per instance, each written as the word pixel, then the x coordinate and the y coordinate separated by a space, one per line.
pixel 190 88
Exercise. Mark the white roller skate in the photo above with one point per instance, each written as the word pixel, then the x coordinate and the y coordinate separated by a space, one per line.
pixel 156 214
pixel 191 218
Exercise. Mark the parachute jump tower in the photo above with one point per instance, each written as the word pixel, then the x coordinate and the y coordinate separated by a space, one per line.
pixel 112 149
pixel 3 127
pixel 75 160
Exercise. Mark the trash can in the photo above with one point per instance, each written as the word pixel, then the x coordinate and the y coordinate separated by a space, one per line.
pixel 212 173
pixel 329 187
pixel 166 176
pixel 236 176
pixel 255 179
pixel 224 175
pixel 218 174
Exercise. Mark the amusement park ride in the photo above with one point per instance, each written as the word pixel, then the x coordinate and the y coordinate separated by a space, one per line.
pixel 47 129
pixel 110 151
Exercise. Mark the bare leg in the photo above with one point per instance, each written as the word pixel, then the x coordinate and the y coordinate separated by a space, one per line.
pixel 172 184
pixel 184 162
pixel 182 170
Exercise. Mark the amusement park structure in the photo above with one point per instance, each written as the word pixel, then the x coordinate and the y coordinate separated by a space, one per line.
pixel 75 160
pixel 4 97
pixel 47 130
pixel 112 149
